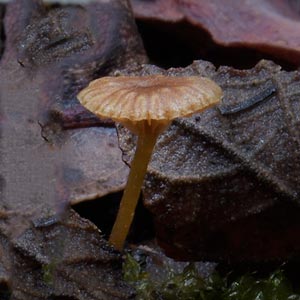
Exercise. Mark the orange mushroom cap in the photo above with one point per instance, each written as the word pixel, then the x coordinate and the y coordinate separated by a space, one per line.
pixel 145 105
pixel 155 99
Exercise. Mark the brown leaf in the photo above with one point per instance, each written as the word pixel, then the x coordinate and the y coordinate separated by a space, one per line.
pixel 224 184
pixel 43 144
pixel 52 152
pixel 268 26
pixel 66 258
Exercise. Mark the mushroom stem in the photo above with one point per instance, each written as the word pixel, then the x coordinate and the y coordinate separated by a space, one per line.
pixel 131 194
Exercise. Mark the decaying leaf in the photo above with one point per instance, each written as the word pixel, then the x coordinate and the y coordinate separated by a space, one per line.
pixel 46 62
pixel 224 184
pixel 271 27
pixel 64 258
pixel 50 157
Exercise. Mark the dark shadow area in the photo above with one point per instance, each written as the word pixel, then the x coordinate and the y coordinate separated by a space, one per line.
pixel 56 5
pixel 61 298
pixel 102 212
pixel 280 223
pixel 2 32
pixel 179 44
pixel 295 5
pixel 5 292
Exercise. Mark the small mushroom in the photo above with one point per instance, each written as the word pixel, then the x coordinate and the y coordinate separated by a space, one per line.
pixel 146 106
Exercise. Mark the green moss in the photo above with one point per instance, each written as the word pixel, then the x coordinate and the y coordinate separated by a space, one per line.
pixel 134 275
pixel 188 285
pixel 48 273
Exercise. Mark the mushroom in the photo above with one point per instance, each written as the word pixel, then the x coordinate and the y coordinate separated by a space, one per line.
pixel 146 106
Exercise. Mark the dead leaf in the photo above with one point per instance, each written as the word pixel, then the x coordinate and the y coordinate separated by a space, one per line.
pixel 50 157
pixel 64 258
pixel 224 184
pixel 271 27
pixel 38 95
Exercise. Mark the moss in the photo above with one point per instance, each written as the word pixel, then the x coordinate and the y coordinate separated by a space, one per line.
pixel 189 285
pixel 48 273
pixel 134 274
pixel 274 287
